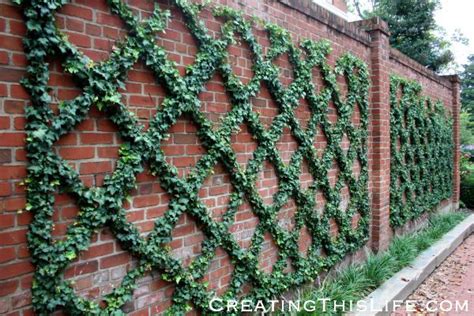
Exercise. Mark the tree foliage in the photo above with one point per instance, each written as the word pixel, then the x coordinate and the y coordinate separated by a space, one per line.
pixel 467 127
pixel 467 87
pixel 413 29
pixel 467 102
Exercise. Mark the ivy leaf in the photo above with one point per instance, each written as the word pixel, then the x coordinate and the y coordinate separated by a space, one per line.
pixel 113 98
pixel 40 133
pixel 70 255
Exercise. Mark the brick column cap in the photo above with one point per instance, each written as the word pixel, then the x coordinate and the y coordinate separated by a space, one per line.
pixel 374 24
pixel 452 78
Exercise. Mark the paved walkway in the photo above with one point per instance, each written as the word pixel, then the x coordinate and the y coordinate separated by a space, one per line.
pixel 452 281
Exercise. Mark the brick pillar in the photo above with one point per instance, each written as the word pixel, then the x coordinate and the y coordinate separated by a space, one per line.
pixel 379 137
pixel 456 107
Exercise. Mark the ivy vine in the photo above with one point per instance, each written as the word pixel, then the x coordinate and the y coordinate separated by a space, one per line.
pixel 422 152
pixel 103 206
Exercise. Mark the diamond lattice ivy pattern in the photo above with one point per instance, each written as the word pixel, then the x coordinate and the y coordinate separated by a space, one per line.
pixel 422 152
pixel 103 206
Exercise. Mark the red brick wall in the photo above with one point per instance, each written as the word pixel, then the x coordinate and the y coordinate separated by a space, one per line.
pixel 433 86
pixel 441 88
pixel 92 148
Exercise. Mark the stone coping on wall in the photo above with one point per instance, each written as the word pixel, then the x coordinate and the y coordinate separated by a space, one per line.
pixel 406 61
pixel 358 31
pixel 320 14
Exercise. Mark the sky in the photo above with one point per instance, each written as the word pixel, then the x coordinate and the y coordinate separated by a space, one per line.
pixel 451 16
pixel 457 14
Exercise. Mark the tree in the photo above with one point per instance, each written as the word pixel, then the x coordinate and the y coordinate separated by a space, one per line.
pixel 413 29
pixel 467 87
pixel 467 138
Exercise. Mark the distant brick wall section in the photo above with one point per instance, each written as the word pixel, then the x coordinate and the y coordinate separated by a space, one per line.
pixel 92 148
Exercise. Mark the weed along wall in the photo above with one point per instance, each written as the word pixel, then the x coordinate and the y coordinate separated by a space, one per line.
pixel 155 157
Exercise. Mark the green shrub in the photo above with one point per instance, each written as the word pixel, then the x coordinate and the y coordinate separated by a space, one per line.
pixel 467 180
pixel 358 280
pixel 467 190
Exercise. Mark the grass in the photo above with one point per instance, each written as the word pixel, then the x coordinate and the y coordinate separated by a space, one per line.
pixel 357 281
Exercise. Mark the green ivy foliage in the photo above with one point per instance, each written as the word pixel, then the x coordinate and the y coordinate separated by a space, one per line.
pixel 421 152
pixel 103 206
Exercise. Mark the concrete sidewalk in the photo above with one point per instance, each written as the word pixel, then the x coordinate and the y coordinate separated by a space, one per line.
pixel 451 282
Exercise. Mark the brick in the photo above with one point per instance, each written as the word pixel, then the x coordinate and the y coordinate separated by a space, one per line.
pixel 183 162
pixel 7 254
pixel 106 126
pixel 12 43
pixel 69 139
pixel 12 172
pixel 15 269
pixel 5 190
pixel 103 44
pixel 114 260
pixel 12 140
pixel 93 30
pixel 79 39
pixel 77 153
pixel 21 300
pixel 3 90
pixel 106 19
pixel 23 252
pixel 96 5
pixel 135 216
pixel 14 106
pixel 11 11
pixel 14 203
pixel 5 157
pixel 20 155
pixel 74 25
pixel 7 220
pixel 147 200
pixel 96 138
pixel 108 152
pixel 185 139
pixel 5 307
pixel 140 76
pixel 8 287
pixel 17 28
pixel 59 79
pixel 77 11
pixel 4 122
pixel 24 218
pixel 17 91
pixel 28 312
pixel 19 123
pixel 96 167
pixel 146 101
pixel 183 230
pixel 173 150
pixel 98 251
pixel 86 267
pixel 195 150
